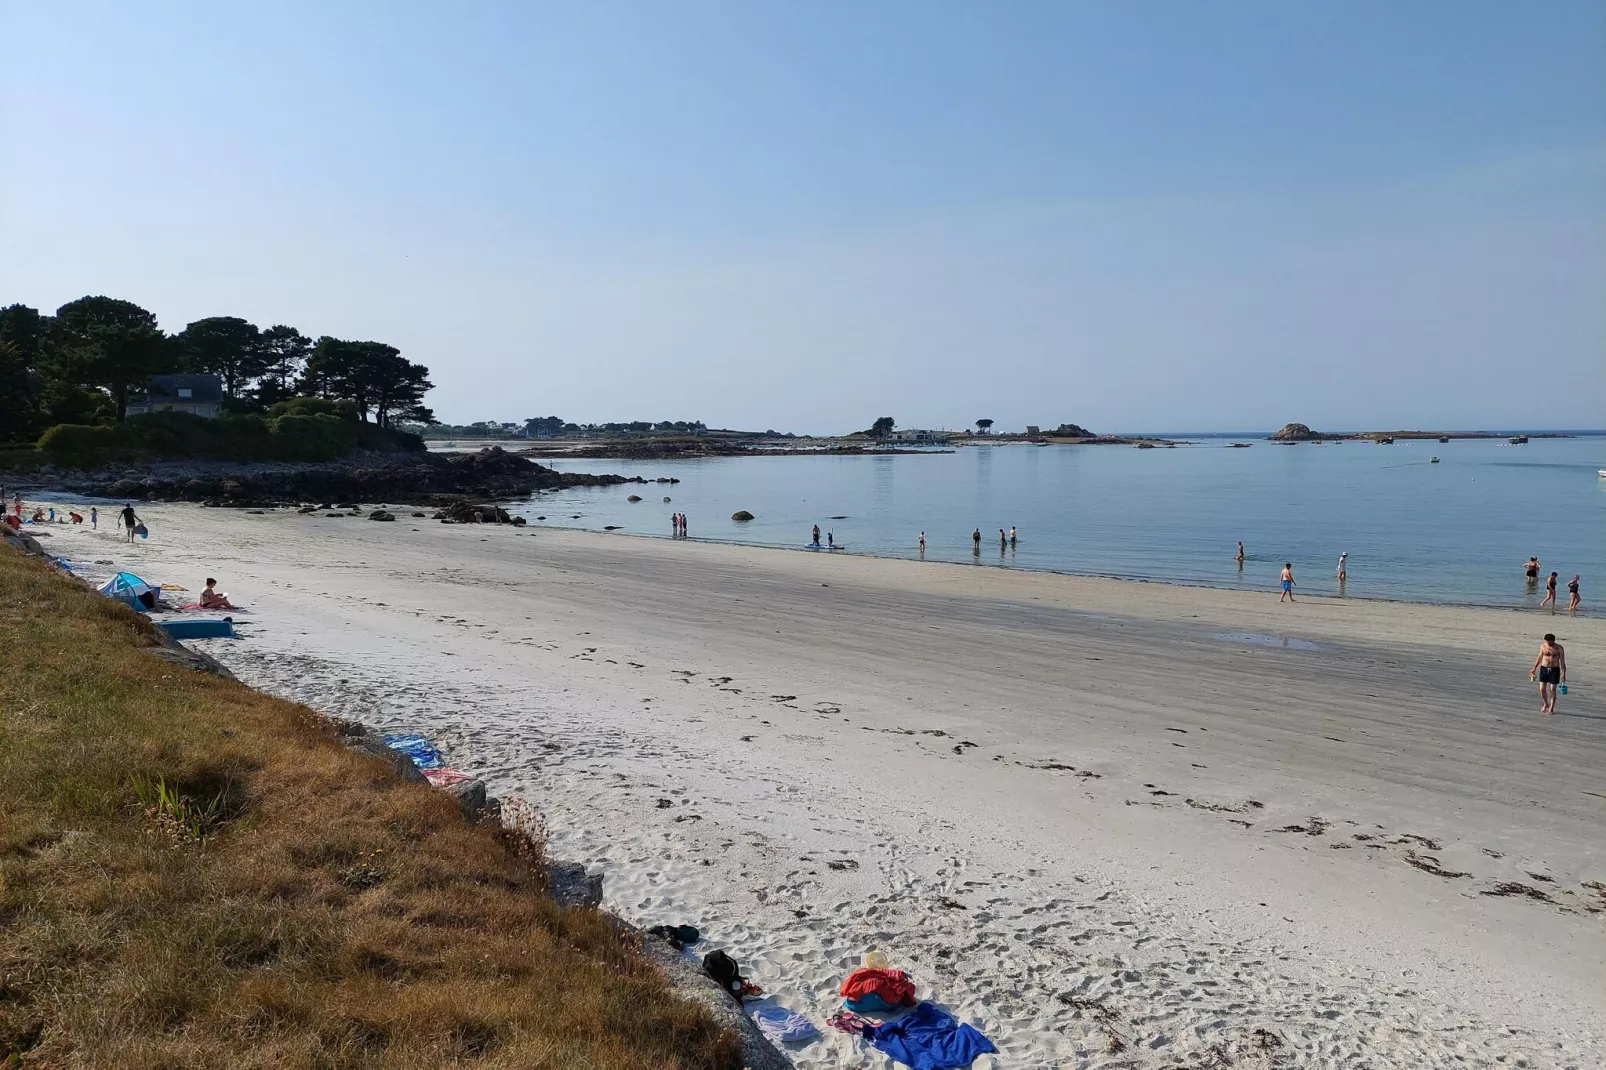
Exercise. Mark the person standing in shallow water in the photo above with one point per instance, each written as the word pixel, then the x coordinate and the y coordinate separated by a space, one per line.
pixel 1572 595
pixel 1012 537
pixel 975 540
pixel 1240 556
pixel 922 544
pixel 1550 591
pixel 1531 570
pixel 1288 582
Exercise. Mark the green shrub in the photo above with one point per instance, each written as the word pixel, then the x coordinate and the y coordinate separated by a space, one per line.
pixel 292 436
pixel 81 445
pixel 314 437
pixel 345 410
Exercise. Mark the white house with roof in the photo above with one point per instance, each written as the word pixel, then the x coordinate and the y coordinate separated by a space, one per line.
pixel 201 394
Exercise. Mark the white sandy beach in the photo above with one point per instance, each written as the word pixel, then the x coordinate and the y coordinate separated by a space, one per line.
pixel 1081 813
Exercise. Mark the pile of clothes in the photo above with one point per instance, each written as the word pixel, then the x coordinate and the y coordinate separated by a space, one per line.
pixel 926 1037
pixel 427 758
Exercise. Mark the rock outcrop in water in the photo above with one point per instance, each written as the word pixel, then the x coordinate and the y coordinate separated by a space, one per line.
pixel 1296 433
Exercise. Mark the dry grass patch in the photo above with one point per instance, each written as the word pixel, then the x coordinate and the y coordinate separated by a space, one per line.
pixel 193 874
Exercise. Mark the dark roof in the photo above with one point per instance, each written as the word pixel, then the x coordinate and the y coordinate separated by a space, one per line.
pixel 202 387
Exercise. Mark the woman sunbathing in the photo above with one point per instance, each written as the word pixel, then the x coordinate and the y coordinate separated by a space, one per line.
pixel 211 599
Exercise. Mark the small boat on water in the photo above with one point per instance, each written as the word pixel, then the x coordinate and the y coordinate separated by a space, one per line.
pixel 1434 461
pixel 1518 440
pixel 1602 473
pixel 1241 445
pixel 1444 438
pixel 1385 442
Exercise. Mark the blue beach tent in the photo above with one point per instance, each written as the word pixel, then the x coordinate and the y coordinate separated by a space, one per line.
pixel 129 589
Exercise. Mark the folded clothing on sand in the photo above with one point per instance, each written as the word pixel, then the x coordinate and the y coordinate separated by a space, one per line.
pixel 419 749
pixel 782 1025
pixel 877 990
pixel 928 1038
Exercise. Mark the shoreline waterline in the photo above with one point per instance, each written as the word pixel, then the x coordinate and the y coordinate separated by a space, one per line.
pixel 1271 587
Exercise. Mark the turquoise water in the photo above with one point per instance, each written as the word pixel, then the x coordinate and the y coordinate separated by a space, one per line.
pixel 1458 531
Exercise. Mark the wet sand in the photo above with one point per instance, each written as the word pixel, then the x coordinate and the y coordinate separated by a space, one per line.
pixel 1112 824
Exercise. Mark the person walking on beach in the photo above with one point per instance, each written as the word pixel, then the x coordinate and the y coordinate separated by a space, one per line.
pixel 1288 581
pixel 1531 570
pixel 130 521
pixel 94 518
pixel 1550 591
pixel 1550 669
pixel 1572 595
pixel 1343 573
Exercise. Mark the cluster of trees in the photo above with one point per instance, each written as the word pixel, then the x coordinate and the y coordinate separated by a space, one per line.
pixel 884 425
pixel 85 363
pixel 554 427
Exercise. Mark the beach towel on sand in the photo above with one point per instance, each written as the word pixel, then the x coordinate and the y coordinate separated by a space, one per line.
pixel 928 1038
pixel 783 1026
pixel 444 777
pixel 419 749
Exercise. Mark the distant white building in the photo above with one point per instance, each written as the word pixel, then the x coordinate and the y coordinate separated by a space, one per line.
pixel 914 434
pixel 201 395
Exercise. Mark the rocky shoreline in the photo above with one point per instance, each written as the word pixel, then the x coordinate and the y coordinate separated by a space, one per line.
pixel 400 478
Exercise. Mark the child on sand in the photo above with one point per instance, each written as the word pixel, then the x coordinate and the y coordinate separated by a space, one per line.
pixel 1288 582
pixel 211 599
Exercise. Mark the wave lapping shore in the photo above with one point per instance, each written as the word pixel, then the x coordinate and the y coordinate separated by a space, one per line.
pixel 1107 832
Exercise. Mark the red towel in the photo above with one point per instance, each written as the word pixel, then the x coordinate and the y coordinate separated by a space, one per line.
pixel 892 986
pixel 444 778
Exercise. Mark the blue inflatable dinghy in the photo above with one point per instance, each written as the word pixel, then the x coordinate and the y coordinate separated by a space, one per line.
pixel 197 628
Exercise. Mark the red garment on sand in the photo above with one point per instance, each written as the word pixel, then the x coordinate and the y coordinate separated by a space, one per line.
pixel 893 986
pixel 443 777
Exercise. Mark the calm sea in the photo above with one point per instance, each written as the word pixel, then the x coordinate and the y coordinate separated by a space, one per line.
pixel 1457 531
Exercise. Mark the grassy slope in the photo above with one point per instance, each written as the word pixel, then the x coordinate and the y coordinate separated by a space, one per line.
pixel 337 918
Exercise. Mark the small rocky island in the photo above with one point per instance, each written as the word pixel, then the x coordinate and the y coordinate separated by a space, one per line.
pixel 1303 433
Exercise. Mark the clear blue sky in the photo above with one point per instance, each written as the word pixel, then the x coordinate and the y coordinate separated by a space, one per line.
pixel 1142 215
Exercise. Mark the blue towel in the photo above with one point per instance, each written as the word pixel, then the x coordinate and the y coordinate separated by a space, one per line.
pixel 928 1038
pixel 419 749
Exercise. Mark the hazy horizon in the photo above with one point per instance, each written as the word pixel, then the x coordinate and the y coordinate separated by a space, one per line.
pixel 802 218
